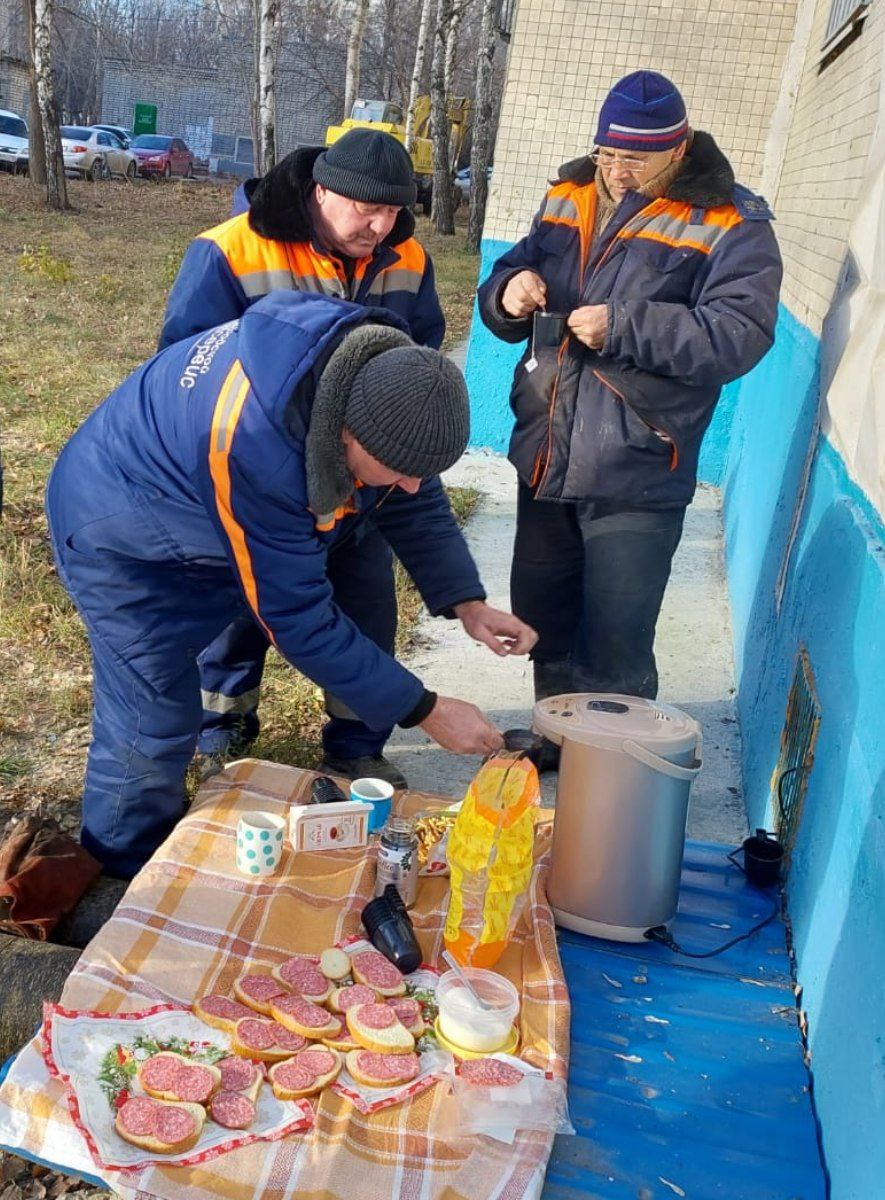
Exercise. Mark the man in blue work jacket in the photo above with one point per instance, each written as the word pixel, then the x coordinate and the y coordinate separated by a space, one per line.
pixel 660 276
pixel 334 222
pixel 227 469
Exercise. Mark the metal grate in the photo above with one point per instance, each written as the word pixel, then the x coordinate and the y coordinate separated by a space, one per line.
pixel 842 13
pixel 798 739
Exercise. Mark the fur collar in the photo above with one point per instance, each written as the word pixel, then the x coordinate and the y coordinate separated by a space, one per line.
pixel 706 179
pixel 279 202
pixel 329 482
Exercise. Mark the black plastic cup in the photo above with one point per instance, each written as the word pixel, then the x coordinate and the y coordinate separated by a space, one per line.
pixel 763 859
pixel 324 790
pixel 390 932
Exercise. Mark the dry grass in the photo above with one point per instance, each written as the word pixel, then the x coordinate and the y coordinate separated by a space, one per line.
pixel 80 307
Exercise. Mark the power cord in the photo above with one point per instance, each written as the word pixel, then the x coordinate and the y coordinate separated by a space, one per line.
pixel 664 937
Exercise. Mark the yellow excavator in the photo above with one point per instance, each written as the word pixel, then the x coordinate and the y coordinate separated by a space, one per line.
pixel 387 116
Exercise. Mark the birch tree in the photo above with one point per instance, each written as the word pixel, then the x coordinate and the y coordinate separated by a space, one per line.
pixel 354 46
pixel 483 126
pixel 56 185
pixel 268 41
pixel 459 8
pixel 418 69
pixel 443 205
pixel 36 147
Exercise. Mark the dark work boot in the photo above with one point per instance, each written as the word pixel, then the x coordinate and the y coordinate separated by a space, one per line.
pixel 367 766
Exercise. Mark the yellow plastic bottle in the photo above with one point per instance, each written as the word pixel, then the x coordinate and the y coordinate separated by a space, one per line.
pixel 490 854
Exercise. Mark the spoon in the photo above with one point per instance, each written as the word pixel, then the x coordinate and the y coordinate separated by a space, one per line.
pixel 484 1004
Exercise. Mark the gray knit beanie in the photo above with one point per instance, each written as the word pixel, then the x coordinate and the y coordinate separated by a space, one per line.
pixel 406 405
pixel 368 165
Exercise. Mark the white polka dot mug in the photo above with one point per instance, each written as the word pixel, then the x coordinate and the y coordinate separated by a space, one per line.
pixel 259 843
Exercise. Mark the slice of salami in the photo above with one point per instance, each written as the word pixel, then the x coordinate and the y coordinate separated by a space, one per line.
pixel 305 1012
pixel 236 1073
pixel 407 1010
pixel 193 1083
pixel 138 1116
pixel 224 1007
pixel 255 1034
pixel 320 1062
pixel 376 970
pixel 232 1110
pixel 260 987
pixel 159 1072
pixel 174 1124
pixel 292 1077
pixel 286 1038
pixel 388 1066
pixel 358 994
pixel 310 982
pixel 490 1072
pixel 375 1016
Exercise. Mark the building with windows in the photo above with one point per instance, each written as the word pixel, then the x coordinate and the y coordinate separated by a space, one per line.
pixel 793 92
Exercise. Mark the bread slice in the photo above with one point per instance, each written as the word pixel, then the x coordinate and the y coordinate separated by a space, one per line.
pixel 308 982
pixel 273 1053
pixel 343 998
pixel 410 1013
pixel 377 1027
pixel 362 1067
pixel 335 964
pixel 150 1141
pixel 259 1001
pixel 301 1016
pixel 373 969
pixel 284 1079
pixel 252 1090
pixel 221 1012
pixel 207 1079
pixel 343 1042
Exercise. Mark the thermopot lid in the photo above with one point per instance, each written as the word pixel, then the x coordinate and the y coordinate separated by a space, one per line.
pixel 607 720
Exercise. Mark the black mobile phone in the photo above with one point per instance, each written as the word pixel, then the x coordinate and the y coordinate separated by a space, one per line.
pixel 548 329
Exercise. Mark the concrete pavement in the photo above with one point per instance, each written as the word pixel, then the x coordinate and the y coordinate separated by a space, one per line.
pixel 693 650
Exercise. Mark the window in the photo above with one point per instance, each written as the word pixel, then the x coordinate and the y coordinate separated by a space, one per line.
pixel 13 127
pixel 844 26
pixel 104 139
pixel 504 17
pixel 244 150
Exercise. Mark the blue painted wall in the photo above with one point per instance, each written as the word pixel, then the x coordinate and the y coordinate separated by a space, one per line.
pixel 834 604
pixel 489 372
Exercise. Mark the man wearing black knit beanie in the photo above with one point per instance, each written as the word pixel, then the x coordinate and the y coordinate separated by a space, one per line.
pixel 334 222
pixel 234 468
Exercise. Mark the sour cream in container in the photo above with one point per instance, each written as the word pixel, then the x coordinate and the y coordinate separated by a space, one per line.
pixel 464 1022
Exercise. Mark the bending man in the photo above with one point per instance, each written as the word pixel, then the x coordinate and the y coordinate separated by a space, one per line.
pixel 224 470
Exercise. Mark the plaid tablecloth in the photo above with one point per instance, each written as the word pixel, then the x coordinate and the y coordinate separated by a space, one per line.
pixel 190 924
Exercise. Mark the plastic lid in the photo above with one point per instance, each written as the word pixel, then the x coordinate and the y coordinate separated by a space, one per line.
pixel 608 720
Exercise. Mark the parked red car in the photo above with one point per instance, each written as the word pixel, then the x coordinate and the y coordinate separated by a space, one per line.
pixel 162 156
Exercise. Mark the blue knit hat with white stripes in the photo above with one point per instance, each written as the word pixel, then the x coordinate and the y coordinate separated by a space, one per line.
pixel 643 111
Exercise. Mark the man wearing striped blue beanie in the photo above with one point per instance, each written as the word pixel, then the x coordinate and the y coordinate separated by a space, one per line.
pixel 648 280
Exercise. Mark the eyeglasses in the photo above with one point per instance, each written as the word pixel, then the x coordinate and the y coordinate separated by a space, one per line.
pixel 636 166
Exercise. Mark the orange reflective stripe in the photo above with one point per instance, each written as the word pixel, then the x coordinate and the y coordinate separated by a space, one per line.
pixel 228 408
pixel 570 198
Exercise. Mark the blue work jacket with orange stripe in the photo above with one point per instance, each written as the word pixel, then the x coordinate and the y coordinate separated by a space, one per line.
pixel 270 245
pixel 690 280
pixel 204 446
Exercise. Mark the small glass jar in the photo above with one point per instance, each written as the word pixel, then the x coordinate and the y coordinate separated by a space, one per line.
pixel 398 859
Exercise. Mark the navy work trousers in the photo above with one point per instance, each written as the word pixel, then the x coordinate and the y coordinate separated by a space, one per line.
pixel 591 581
pixel 361 574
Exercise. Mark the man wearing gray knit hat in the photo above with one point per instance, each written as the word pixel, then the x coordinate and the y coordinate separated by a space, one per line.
pixel 251 460
pixel 333 221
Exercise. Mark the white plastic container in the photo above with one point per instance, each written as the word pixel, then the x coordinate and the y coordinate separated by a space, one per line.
pixel 463 1022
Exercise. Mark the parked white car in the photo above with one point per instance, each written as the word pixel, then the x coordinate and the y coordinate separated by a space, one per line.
pixel 13 141
pixel 96 153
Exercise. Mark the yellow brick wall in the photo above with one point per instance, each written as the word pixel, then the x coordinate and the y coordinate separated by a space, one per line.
pixel 823 164
pixel 726 57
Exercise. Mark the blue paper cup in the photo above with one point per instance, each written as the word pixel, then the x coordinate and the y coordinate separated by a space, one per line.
pixel 378 793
